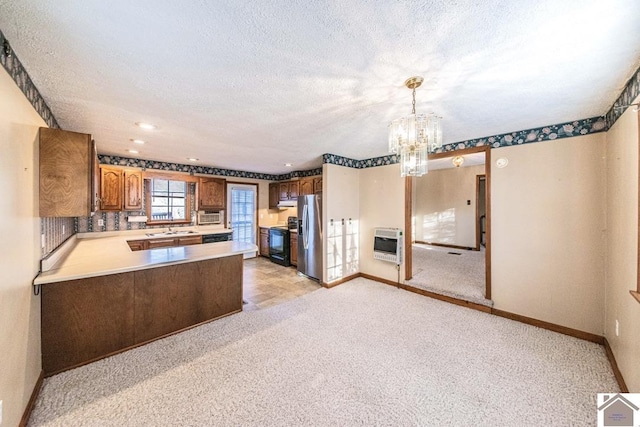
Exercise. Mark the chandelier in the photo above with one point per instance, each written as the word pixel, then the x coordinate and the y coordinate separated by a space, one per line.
pixel 414 136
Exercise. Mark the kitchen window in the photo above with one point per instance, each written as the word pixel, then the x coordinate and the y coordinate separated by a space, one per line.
pixel 168 201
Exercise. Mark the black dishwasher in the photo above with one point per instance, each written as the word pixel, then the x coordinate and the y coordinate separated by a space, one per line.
pixel 218 237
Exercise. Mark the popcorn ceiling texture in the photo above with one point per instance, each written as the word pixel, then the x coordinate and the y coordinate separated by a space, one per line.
pixel 250 87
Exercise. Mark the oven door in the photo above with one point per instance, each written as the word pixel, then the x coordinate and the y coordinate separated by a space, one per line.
pixel 279 246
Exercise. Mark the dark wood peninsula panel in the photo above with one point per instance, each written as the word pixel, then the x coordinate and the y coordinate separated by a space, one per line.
pixel 88 319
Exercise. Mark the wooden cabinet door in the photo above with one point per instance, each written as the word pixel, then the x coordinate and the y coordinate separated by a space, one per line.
pixel 264 241
pixel 137 245
pixel 212 193
pixel 317 185
pixel 283 191
pixel 95 178
pixel 65 165
pixel 133 190
pixel 293 256
pixel 293 190
pixel 274 196
pixel 161 243
pixel 110 189
pixel 189 240
pixel 306 186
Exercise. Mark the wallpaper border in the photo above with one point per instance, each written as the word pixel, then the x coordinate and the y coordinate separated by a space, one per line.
pixel 20 76
pixel 629 93
pixel 106 159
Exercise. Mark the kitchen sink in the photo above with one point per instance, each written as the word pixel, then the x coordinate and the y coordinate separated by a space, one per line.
pixel 171 233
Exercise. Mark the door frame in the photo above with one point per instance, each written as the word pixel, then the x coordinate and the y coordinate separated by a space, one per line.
pixel 408 212
pixel 479 180
pixel 227 213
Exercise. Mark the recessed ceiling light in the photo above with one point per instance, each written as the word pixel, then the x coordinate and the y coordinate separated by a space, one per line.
pixel 133 151
pixel 288 165
pixel 147 126
pixel 137 141
pixel 192 159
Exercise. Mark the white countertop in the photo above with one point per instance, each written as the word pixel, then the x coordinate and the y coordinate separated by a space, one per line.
pixel 98 256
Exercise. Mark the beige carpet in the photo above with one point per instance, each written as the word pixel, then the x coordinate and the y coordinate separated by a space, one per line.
pixel 362 353
pixel 457 273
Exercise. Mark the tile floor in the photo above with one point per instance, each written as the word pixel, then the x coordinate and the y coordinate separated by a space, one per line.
pixel 267 284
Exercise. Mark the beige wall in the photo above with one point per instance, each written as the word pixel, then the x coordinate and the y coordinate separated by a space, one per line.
pixel 381 205
pixel 622 247
pixel 20 252
pixel 341 187
pixel 547 227
pixel 441 213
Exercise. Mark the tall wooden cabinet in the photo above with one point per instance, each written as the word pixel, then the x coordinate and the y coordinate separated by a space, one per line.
pixel 213 195
pixel 68 173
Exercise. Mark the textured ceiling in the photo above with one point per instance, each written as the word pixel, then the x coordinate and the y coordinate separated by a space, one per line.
pixel 253 85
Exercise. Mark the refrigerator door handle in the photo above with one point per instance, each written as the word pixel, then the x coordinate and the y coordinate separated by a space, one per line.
pixel 305 226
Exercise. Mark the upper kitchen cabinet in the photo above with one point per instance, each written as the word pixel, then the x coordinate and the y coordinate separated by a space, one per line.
pixel 274 195
pixel 288 190
pixel 133 187
pixel 68 174
pixel 212 193
pixel 310 185
pixel 120 189
pixel 110 188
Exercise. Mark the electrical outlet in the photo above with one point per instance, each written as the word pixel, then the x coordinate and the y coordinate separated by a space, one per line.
pixel 101 223
pixel 617 328
pixel 42 241
pixel 63 228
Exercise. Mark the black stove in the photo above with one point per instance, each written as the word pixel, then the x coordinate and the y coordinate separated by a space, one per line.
pixel 280 243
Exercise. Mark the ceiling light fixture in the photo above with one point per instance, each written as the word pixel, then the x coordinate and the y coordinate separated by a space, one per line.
pixel 288 165
pixel 147 126
pixel 192 159
pixel 137 141
pixel 133 151
pixel 458 161
pixel 414 136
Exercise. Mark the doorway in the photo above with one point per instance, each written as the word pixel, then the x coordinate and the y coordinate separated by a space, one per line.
pixel 439 231
pixel 242 215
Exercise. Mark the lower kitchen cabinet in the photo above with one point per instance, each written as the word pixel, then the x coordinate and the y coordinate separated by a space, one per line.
pixel 293 256
pixel 84 320
pixel 264 241
pixel 141 245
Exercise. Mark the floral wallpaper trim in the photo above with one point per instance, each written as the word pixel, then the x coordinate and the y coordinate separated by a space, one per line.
pixel 629 93
pixel 545 133
pixel 205 170
pixel 19 74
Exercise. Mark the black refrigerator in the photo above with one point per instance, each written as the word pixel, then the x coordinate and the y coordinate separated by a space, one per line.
pixel 310 236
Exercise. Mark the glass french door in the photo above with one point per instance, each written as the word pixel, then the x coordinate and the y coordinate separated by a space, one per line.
pixel 242 203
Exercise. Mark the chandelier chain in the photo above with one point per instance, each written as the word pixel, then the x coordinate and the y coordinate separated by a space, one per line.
pixel 413 104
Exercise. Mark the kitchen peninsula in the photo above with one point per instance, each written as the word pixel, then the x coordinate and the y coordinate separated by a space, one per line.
pixel 103 298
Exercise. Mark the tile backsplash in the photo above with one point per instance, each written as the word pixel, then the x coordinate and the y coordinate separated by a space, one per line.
pixel 55 231
pixel 117 221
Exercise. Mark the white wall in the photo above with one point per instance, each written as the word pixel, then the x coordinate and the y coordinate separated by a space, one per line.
pixel 340 188
pixel 441 213
pixel 20 357
pixel 381 205
pixel 622 247
pixel 547 231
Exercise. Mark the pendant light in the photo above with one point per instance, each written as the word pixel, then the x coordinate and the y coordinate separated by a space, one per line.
pixel 414 136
